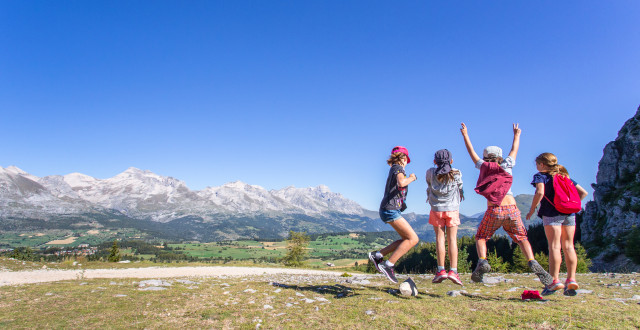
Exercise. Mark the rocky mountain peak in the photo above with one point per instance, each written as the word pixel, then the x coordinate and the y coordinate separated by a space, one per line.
pixel 615 208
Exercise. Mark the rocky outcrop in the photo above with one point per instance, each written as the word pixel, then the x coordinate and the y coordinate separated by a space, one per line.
pixel 615 209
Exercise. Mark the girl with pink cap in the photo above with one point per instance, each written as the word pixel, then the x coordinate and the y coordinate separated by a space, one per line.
pixel 393 203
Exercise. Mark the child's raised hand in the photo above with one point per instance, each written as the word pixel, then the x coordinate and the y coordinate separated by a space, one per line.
pixel 516 129
pixel 414 177
pixel 463 129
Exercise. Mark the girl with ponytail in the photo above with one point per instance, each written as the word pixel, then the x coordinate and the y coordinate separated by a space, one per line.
pixel 559 228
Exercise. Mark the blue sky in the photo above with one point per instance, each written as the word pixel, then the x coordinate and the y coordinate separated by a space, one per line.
pixel 279 93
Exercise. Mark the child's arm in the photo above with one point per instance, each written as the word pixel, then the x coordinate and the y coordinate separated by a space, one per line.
pixel 537 198
pixel 583 193
pixel 467 143
pixel 460 186
pixel 516 141
pixel 404 181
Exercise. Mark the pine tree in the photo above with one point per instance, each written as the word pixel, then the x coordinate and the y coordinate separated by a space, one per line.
pixel 114 253
pixel 296 249
pixel 583 260
pixel 520 262
pixel 497 263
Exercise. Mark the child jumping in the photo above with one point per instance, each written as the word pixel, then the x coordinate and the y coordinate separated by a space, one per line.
pixel 559 227
pixel 501 207
pixel 444 192
pixel 393 202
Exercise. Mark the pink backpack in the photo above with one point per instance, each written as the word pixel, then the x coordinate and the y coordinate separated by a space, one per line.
pixel 566 199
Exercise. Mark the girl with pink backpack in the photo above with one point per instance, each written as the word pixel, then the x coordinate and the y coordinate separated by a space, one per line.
pixel 559 197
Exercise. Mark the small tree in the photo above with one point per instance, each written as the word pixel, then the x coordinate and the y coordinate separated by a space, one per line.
pixel 114 253
pixel 498 265
pixel 542 259
pixel 520 262
pixel 296 249
pixel 464 264
pixel 583 260
pixel 632 249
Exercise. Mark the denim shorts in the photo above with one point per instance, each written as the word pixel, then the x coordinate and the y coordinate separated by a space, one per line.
pixel 389 215
pixel 559 220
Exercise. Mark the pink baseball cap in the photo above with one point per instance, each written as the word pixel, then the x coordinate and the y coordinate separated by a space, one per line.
pixel 402 150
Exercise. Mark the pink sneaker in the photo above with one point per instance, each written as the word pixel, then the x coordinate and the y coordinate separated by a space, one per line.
pixel 440 276
pixel 453 276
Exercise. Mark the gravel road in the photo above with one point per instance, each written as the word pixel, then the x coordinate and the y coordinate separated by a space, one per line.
pixel 45 275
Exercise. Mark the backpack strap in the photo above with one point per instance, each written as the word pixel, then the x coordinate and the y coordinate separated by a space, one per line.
pixel 550 202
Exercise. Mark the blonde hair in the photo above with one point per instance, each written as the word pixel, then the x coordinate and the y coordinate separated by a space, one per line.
pixel 551 162
pixel 446 177
pixel 396 158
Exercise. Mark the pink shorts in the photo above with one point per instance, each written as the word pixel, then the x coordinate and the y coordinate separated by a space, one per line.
pixel 444 218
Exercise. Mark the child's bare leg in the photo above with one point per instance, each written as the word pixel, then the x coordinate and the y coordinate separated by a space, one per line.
pixel 481 248
pixel 452 240
pixel 525 246
pixel 409 239
pixel 391 247
pixel 440 248
pixel 554 234
pixel 570 257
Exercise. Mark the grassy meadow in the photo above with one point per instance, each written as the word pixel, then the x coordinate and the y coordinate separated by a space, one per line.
pixel 315 301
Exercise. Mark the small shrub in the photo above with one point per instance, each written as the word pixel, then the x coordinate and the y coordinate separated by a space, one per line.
pixel 497 263
pixel 583 260
pixel 520 262
pixel 632 249
pixel 542 259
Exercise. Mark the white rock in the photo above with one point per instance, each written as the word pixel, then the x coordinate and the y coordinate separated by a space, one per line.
pixel 408 288
pixel 153 283
pixel 267 307
pixel 152 288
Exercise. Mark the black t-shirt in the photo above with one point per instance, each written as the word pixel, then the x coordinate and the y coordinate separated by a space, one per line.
pixel 393 194
pixel 546 208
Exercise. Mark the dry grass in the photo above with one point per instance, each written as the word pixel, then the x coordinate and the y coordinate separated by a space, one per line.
pixel 231 303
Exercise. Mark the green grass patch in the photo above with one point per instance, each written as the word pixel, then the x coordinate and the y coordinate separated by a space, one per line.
pixel 315 302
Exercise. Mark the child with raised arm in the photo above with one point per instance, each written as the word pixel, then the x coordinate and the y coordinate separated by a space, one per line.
pixel 494 184
pixel 393 202
pixel 559 227
pixel 444 192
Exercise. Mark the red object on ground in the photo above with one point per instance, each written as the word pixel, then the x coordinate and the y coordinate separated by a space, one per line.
pixel 531 294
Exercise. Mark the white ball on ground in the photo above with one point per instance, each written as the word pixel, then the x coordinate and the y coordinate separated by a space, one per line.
pixel 408 288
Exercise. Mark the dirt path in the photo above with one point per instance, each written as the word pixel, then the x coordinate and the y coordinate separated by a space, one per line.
pixel 43 275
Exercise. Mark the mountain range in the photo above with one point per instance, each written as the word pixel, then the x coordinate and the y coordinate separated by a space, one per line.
pixel 165 207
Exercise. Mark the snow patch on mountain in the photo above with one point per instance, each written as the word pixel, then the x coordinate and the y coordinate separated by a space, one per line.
pixel 145 195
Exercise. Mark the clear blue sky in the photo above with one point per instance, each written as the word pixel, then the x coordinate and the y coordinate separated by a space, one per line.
pixel 279 93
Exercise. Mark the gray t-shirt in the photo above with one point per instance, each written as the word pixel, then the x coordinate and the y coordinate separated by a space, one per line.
pixel 443 196
pixel 507 164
